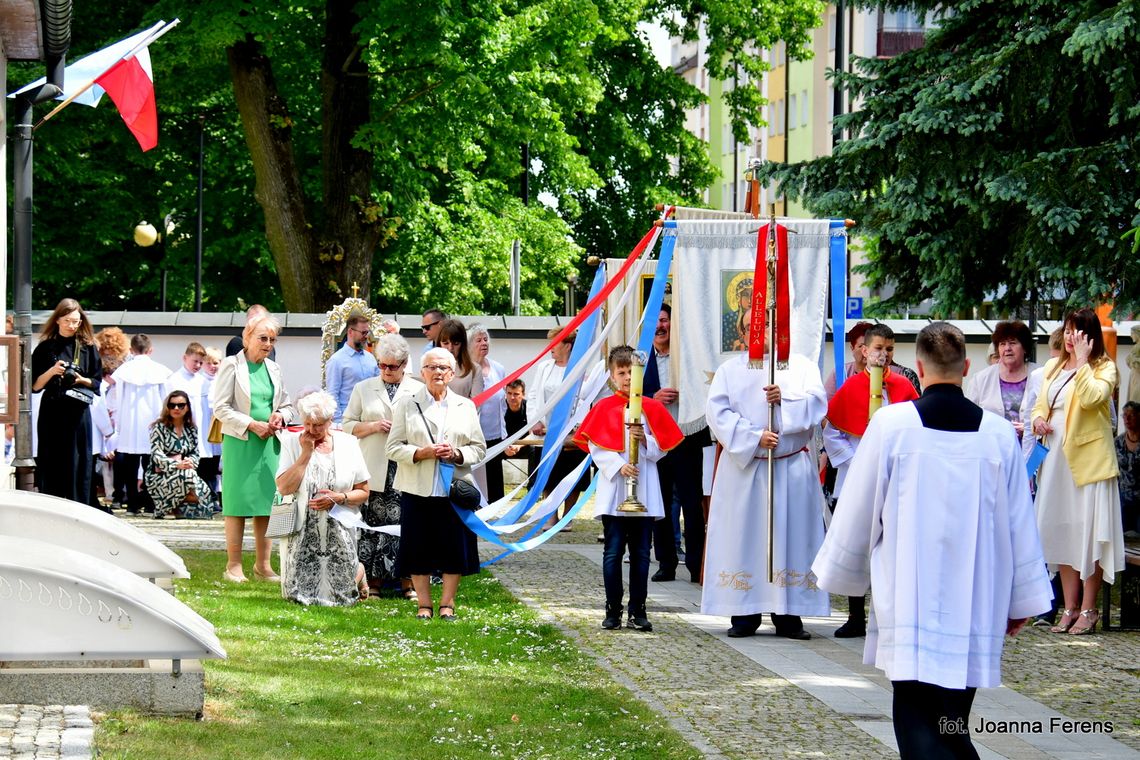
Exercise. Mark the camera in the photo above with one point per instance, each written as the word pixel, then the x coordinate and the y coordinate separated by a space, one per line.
pixel 67 379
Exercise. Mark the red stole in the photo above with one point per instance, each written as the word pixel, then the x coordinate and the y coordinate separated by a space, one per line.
pixel 757 326
pixel 848 408
pixel 605 427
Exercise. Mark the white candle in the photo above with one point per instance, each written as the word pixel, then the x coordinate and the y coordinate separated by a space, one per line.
pixel 636 382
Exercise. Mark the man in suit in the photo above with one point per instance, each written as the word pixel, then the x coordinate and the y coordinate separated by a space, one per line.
pixel 680 470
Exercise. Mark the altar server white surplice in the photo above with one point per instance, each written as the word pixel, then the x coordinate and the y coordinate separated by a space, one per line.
pixel 736 554
pixel 940 526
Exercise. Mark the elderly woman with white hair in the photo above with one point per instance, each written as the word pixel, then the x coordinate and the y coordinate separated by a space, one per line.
pixel 322 467
pixel 252 405
pixel 434 426
pixel 369 418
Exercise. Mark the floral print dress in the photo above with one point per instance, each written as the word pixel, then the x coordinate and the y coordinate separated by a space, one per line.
pixel 169 486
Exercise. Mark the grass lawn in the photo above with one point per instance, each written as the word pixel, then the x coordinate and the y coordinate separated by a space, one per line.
pixel 372 682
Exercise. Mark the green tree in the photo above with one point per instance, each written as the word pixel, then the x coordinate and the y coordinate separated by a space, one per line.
pixel 380 144
pixel 998 161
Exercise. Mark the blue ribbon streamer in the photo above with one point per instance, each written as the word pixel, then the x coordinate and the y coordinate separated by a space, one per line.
pixel 560 413
pixel 477 526
pixel 644 343
pixel 656 292
pixel 838 249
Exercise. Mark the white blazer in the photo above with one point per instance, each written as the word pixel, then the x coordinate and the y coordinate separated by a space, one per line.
pixel 409 432
pixel 369 403
pixel 984 389
pixel 231 395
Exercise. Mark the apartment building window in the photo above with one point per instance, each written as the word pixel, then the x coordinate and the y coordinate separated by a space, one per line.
pixel 831 31
pixel 771 120
pixel 793 113
pixel 780 117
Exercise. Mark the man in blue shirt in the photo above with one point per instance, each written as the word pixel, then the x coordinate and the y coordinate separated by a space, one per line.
pixel 350 364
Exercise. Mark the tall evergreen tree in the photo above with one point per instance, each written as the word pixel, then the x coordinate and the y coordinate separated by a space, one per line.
pixel 998 161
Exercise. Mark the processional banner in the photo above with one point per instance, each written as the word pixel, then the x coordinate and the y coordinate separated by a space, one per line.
pixel 712 296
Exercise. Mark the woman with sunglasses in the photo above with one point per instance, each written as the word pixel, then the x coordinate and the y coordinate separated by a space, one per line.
pixel 66 369
pixel 172 478
pixel 251 402
pixel 369 418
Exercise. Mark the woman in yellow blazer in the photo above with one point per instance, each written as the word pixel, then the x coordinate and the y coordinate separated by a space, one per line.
pixel 1078 502
pixel 433 425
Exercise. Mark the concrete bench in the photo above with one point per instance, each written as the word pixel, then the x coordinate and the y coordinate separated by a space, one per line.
pixel 78 629
pixel 36 516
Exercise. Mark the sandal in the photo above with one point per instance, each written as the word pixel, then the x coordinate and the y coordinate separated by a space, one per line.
pixel 421 616
pixel 449 618
pixel 1086 623
pixel 1068 617
pixel 362 589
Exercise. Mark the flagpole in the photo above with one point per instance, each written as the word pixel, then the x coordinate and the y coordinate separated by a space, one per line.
pixel 161 30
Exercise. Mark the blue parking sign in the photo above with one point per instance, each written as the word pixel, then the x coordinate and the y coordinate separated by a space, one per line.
pixel 855 307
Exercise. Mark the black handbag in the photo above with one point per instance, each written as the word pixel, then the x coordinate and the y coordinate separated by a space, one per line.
pixel 462 493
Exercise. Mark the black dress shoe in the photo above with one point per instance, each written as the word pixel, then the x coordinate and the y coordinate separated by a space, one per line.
pixel 851 630
pixel 798 635
pixel 639 621
pixel 663 575
pixel 740 632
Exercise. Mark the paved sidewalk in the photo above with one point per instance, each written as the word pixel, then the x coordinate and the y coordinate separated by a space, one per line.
pixel 55 732
pixel 739 698
pixel 742 698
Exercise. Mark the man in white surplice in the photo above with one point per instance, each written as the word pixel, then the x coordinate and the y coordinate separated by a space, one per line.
pixel 736 561
pixel 935 517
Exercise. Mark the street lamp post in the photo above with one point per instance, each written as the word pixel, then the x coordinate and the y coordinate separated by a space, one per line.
pixel 146 236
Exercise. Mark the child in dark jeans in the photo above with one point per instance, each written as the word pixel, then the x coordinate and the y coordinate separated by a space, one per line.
pixel 605 433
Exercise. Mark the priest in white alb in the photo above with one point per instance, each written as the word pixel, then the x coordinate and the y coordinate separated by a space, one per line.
pixel 935 517
pixel 736 554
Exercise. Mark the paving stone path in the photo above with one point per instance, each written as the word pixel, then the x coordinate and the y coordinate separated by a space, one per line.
pixel 740 698
pixel 55 732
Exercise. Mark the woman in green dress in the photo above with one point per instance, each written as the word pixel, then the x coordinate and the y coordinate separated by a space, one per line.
pixel 252 405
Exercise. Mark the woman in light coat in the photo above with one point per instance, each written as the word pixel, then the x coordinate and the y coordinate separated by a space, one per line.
pixel 434 427
pixel 368 416
pixel 251 402
pixel 1000 387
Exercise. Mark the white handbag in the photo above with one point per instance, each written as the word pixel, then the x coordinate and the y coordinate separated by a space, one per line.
pixel 283 518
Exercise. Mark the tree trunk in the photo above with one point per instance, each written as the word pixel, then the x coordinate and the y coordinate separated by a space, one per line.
pixel 268 133
pixel 352 223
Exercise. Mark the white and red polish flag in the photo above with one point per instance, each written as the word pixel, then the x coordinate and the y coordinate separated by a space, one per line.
pixel 123 72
